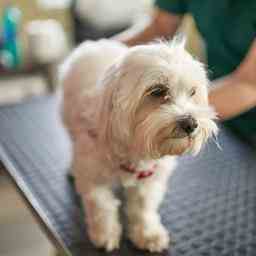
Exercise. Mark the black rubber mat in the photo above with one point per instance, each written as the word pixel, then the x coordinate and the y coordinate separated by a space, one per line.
pixel 210 207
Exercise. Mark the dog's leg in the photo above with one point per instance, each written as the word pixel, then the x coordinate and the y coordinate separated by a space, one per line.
pixel 100 204
pixel 145 227
pixel 102 218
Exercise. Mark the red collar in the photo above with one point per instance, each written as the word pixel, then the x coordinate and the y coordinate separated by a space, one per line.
pixel 139 174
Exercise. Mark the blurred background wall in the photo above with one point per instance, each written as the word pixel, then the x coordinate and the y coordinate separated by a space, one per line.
pixel 39 10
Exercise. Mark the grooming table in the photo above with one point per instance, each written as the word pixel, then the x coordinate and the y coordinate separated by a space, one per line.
pixel 210 207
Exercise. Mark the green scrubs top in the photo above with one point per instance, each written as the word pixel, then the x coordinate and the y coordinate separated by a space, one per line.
pixel 228 28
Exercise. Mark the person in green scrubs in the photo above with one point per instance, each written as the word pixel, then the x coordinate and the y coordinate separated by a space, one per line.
pixel 228 28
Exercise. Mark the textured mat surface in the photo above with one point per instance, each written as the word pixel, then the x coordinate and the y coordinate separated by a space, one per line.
pixel 210 207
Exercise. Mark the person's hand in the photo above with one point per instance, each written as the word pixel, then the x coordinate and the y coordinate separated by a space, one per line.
pixel 162 24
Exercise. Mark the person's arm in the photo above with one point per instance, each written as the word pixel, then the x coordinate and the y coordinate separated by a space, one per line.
pixel 236 93
pixel 162 24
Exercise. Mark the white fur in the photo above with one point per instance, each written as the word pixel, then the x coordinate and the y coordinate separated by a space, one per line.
pixel 113 119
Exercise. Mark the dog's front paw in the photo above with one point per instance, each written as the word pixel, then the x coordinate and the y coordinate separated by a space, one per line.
pixel 106 236
pixel 154 238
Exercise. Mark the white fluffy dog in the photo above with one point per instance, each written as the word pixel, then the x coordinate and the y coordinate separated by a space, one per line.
pixel 129 112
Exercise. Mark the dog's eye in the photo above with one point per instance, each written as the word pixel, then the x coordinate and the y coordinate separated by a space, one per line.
pixel 159 91
pixel 192 92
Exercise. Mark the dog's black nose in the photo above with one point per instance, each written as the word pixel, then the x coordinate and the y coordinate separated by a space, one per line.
pixel 188 124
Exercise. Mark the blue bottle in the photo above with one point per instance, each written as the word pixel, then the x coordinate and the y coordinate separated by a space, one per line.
pixel 10 52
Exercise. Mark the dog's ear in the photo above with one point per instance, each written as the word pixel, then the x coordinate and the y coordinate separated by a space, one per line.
pixel 117 108
pixel 109 84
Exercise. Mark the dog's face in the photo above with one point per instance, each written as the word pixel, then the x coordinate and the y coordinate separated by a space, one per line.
pixel 159 102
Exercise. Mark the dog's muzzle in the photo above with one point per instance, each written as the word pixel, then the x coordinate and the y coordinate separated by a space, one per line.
pixel 187 124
